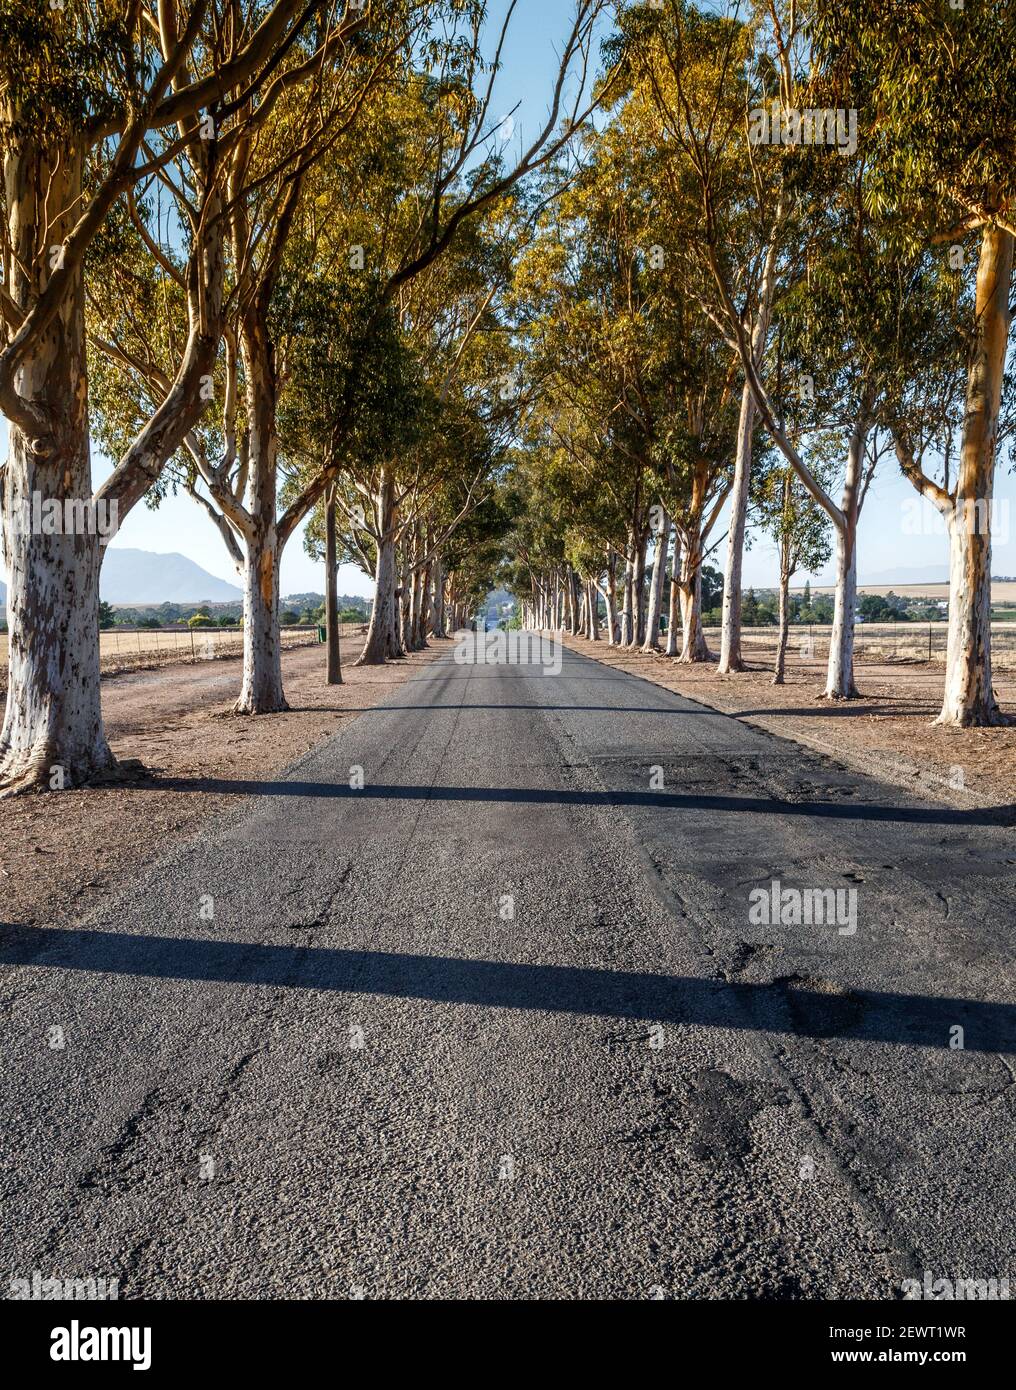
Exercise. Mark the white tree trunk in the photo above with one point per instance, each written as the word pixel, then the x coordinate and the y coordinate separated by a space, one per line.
pixel 693 646
pixel 261 690
pixel 652 639
pixel 730 630
pixel 53 718
pixel 969 698
pixel 593 610
pixel 382 639
pixel 784 630
pixel 612 625
pixel 438 607
pixel 730 623
pixel 840 671
pixel 674 610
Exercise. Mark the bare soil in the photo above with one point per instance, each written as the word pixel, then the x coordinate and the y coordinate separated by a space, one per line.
pixel 887 732
pixel 61 852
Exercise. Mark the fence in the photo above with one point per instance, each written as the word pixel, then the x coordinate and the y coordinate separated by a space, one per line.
pixel 875 643
pixel 138 645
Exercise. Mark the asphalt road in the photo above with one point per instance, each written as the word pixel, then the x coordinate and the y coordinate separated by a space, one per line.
pixel 498 1024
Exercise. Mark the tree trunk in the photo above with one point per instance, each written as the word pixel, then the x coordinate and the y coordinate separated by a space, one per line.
pixel 652 638
pixel 639 591
pixel 334 660
pixel 840 673
pixel 627 635
pixel 693 648
pixel 612 632
pixel 784 633
pixel 53 718
pixel 423 630
pixel 593 609
pixel 730 628
pixel 438 620
pixel 382 636
pixel 969 698
pixel 673 615
pixel 261 690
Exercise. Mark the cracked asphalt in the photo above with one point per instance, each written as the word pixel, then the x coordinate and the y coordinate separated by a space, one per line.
pixel 498 1024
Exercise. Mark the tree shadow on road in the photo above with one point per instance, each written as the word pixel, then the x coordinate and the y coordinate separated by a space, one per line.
pixel 791 1005
pixel 552 796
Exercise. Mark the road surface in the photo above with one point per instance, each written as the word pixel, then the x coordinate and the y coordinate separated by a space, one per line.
pixel 502 1022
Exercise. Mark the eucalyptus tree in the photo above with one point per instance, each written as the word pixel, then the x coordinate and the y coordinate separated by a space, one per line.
pixel 693 76
pixel 97 101
pixel 939 154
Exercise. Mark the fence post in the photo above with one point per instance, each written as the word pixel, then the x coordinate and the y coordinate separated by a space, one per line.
pixel 192 643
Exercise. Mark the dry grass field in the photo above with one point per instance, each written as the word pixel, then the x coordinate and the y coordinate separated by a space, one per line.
pixel 875 643
pixel 119 647
pixel 1002 591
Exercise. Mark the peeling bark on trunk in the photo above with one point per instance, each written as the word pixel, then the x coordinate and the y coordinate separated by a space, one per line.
pixel 730 628
pixel 730 623
pixel 261 690
pixel 593 609
pixel 693 647
pixel 627 635
pixel 382 636
pixel 652 637
pixel 612 628
pixel 969 698
pixel 438 621
pixel 784 632
pixel 840 673
pixel 53 717
pixel 674 609
pixel 639 592
pixel 333 675
pixel 423 629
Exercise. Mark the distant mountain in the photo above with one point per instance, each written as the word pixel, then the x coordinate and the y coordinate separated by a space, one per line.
pixel 141 576
pixel 926 574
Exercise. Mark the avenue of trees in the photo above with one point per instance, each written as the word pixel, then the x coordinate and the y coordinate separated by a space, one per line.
pixel 295 260
pixel 254 250
pixel 786 262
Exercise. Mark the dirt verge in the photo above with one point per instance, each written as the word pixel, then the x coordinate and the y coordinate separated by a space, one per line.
pixel 63 851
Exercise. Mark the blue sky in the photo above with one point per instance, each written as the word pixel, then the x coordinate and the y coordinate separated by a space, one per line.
pixel 886 542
